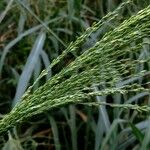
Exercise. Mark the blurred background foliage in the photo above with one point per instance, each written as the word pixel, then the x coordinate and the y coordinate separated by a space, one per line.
pixel 32 34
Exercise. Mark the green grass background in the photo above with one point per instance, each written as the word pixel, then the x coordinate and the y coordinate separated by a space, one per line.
pixel 35 32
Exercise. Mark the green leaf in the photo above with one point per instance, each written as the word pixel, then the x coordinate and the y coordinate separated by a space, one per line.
pixel 138 134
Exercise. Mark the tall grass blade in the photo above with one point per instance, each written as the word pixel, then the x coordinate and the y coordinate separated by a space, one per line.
pixel 46 62
pixel 55 132
pixel 103 124
pixel 29 67
pixel 3 14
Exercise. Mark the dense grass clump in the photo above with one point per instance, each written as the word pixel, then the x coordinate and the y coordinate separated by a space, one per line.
pixel 108 66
